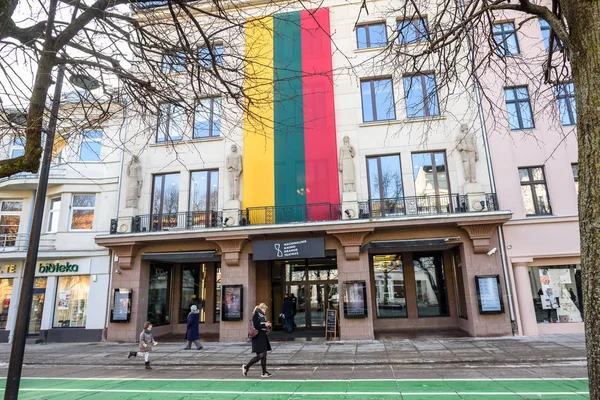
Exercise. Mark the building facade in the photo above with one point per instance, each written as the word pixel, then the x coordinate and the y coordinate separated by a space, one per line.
pixel 534 156
pixel 321 189
pixel 72 275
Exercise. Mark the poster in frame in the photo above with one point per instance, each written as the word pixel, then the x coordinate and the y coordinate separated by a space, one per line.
pixel 232 303
pixel 355 299
pixel 489 294
pixel 121 307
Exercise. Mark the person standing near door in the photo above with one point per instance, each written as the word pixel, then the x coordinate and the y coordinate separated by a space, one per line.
pixel 192 332
pixel 288 311
pixel 294 309
pixel 260 342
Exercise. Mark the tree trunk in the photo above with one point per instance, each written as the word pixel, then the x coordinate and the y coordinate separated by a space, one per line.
pixel 582 18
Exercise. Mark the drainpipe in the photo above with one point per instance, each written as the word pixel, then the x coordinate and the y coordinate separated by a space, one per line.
pixel 488 157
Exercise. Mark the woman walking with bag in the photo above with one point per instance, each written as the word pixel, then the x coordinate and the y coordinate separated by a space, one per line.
pixel 260 342
pixel 192 332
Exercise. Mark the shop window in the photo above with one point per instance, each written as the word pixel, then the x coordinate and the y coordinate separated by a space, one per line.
pixel 53 215
pixel 82 211
pixel 10 219
pixel 557 293
pixel 159 295
pixel 70 308
pixel 390 288
pixel 193 291
pixel 430 286
pixel 218 293
pixel 5 294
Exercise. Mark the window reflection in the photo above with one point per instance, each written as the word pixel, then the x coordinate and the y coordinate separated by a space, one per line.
pixel 430 286
pixel 390 289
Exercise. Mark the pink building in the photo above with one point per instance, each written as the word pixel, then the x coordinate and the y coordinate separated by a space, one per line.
pixel 533 146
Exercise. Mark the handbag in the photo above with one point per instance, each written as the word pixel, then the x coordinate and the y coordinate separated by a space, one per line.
pixel 252 331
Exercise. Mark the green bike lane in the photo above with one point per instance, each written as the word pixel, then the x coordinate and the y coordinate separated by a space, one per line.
pixel 179 389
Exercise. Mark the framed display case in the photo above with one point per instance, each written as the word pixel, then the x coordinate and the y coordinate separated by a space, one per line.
pixel 232 303
pixel 121 309
pixel 355 299
pixel 489 294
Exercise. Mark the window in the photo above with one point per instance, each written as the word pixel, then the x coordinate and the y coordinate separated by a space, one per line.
pixel 377 100
pixel 545 28
pixel 10 219
pixel 390 289
pixel 159 295
pixel 575 169
pixel 18 147
pixel 53 215
pixel 385 185
pixel 565 96
pixel 71 306
pixel 204 190
pixel 218 294
pixel 193 291
pixel 207 118
pixel 372 35
pixel 206 60
pixel 432 186
pixel 173 63
pixel 557 293
pixel 91 144
pixel 535 193
pixel 421 96
pixel 82 211
pixel 430 285
pixel 165 195
pixel 412 31
pixel 171 122
pixel 518 107
pixel 505 38
pixel 6 286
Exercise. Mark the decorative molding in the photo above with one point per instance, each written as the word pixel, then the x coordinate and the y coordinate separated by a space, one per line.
pixel 126 254
pixel 351 241
pixel 480 235
pixel 231 249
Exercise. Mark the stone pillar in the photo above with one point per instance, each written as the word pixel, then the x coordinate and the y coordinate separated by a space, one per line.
pixel 354 266
pixel 231 213
pixel 350 203
pixel 237 269
pixel 524 297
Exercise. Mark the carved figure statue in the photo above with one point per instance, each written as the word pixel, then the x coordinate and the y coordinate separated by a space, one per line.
pixel 467 146
pixel 346 166
pixel 134 183
pixel 234 170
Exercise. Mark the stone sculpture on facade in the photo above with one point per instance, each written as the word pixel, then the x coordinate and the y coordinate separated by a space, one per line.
pixel 134 183
pixel 234 170
pixel 467 146
pixel 346 166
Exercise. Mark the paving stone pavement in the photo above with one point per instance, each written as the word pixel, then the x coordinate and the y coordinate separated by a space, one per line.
pixel 458 351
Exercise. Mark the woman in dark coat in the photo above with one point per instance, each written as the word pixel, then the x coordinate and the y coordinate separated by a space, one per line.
pixel 260 342
pixel 192 333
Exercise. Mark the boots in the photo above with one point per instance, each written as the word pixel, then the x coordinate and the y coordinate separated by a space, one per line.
pixel 132 354
pixel 148 365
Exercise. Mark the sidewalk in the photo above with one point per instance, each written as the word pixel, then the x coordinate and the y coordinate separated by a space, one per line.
pixel 483 351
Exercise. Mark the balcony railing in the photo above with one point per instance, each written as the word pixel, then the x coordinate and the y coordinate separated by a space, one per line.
pixel 271 215
pixel 427 205
pixel 20 241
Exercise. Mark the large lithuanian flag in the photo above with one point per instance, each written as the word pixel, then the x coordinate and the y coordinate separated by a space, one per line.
pixel 290 153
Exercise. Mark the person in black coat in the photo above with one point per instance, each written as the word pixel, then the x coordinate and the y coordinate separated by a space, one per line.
pixel 192 332
pixel 288 311
pixel 260 342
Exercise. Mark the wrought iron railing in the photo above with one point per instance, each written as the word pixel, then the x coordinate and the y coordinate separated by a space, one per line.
pixel 20 242
pixel 288 214
pixel 427 205
pixel 168 222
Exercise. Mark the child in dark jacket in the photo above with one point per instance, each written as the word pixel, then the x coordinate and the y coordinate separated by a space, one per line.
pixel 146 343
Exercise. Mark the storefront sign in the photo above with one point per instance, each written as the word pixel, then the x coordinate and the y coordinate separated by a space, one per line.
pixel 232 303
pixel 8 269
pixel 50 268
pixel 488 294
pixel 121 310
pixel 288 249
pixel 355 299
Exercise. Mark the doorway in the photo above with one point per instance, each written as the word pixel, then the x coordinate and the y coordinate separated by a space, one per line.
pixel 37 307
pixel 313 283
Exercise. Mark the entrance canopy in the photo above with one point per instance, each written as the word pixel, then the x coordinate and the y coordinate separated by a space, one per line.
pixel 182 257
pixel 412 244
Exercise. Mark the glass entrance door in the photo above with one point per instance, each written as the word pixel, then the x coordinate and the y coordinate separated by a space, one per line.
pixel 323 296
pixel 37 307
pixel 300 292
